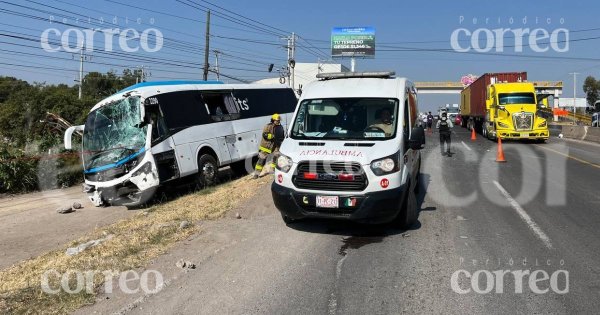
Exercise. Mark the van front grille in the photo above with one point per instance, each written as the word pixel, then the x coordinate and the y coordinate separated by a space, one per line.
pixel 330 176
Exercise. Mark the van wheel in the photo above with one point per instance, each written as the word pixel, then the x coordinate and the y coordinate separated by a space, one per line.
pixel 409 213
pixel 418 179
pixel 207 170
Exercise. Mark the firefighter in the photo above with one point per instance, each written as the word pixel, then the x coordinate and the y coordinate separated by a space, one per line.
pixel 272 137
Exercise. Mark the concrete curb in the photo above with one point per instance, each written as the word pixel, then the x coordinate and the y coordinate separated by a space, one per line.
pixel 585 133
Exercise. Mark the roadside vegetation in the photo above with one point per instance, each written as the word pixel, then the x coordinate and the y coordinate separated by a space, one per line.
pixel 133 243
pixel 32 128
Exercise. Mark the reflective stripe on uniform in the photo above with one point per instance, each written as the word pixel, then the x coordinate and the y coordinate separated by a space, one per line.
pixel 258 167
pixel 264 149
pixel 272 164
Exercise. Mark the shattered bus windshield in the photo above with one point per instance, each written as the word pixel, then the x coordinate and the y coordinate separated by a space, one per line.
pixel 112 133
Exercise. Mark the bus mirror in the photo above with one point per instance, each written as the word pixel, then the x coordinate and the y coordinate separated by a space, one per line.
pixel 69 135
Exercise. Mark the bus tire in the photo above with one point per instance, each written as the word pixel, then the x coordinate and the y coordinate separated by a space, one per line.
pixel 207 170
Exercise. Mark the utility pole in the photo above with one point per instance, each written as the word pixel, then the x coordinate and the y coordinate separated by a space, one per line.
pixel 291 51
pixel 217 63
pixel 574 92
pixel 82 57
pixel 206 47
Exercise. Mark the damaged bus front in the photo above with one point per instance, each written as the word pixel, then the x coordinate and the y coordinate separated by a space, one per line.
pixel 119 168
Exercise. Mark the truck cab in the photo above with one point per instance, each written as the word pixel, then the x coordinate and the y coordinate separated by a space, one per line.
pixel 512 112
pixel 352 152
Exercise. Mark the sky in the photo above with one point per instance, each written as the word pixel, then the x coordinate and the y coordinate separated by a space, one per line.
pixel 412 38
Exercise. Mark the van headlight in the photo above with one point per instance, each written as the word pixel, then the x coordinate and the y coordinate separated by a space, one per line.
pixel 284 163
pixel 503 125
pixel 386 165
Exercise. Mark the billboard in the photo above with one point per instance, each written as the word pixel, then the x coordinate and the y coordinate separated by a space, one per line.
pixel 353 42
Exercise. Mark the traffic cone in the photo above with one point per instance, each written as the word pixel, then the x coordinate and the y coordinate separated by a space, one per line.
pixel 500 154
pixel 473 137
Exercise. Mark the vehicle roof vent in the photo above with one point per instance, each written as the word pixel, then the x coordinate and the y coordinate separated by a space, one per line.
pixel 346 75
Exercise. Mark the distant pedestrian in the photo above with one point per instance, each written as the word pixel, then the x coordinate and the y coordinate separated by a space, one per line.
pixel 444 125
pixel 429 121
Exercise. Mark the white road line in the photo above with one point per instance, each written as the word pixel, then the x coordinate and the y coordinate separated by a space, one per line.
pixel 466 146
pixel 532 225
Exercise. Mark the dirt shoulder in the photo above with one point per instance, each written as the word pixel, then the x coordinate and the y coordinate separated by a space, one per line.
pixel 30 225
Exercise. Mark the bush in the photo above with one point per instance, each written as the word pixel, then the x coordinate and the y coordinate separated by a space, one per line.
pixel 22 173
pixel 18 172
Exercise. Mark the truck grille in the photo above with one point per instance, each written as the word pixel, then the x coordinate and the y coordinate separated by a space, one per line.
pixel 523 121
pixel 328 176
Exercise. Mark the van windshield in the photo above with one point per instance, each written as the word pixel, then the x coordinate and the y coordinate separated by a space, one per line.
pixel 346 119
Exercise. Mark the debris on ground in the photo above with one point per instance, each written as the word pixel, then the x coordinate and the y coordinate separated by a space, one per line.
pixel 77 205
pixel 65 209
pixel 238 216
pixel 184 225
pixel 183 264
pixel 72 251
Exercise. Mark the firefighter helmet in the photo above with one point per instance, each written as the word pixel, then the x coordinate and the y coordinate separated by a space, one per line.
pixel 275 117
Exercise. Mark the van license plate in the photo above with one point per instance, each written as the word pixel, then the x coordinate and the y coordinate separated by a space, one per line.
pixel 327 201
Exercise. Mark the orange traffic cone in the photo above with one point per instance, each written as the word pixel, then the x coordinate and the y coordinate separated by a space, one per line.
pixel 500 154
pixel 473 137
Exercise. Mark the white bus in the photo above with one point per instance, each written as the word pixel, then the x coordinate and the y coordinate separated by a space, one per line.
pixel 153 133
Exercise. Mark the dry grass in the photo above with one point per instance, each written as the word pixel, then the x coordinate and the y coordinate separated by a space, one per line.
pixel 136 240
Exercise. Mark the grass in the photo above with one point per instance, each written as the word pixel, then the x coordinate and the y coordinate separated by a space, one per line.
pixel 135 242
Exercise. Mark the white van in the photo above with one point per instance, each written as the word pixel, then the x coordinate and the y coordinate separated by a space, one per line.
pixel 352 151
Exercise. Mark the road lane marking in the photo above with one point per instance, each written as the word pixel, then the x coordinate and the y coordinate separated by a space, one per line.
pixel 532 225
pixel 466 146
pixel 570 157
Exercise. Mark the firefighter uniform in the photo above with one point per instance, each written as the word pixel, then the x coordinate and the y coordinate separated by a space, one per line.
pixel 272 136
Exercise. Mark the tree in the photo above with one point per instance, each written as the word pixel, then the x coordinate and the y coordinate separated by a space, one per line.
pixel 591 87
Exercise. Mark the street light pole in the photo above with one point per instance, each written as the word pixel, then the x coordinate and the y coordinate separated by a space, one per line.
pixel 574 93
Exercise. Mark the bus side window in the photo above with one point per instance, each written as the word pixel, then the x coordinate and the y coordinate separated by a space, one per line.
pixel 159 126
pixel 221 106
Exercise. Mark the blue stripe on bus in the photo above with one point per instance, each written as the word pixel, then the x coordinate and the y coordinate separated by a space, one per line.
pixel 117 164
pixel 158 83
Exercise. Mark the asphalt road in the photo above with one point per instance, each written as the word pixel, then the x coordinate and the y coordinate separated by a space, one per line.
pixel 506 225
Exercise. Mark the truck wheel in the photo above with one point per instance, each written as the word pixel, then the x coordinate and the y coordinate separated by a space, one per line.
pixel 409 213
pixel 207 170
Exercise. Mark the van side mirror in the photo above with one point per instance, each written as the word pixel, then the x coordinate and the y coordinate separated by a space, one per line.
pixel 417 138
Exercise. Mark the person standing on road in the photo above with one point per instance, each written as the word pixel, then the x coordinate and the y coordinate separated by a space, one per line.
pixel 444 124
pixel 429 121
pixel 272 137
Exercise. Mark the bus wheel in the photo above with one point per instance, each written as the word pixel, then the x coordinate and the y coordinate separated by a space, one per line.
pixel 207 170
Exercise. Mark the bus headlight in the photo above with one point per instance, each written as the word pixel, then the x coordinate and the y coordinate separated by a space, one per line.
pixel 386 165
pixel 503 125
pixel 284 163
